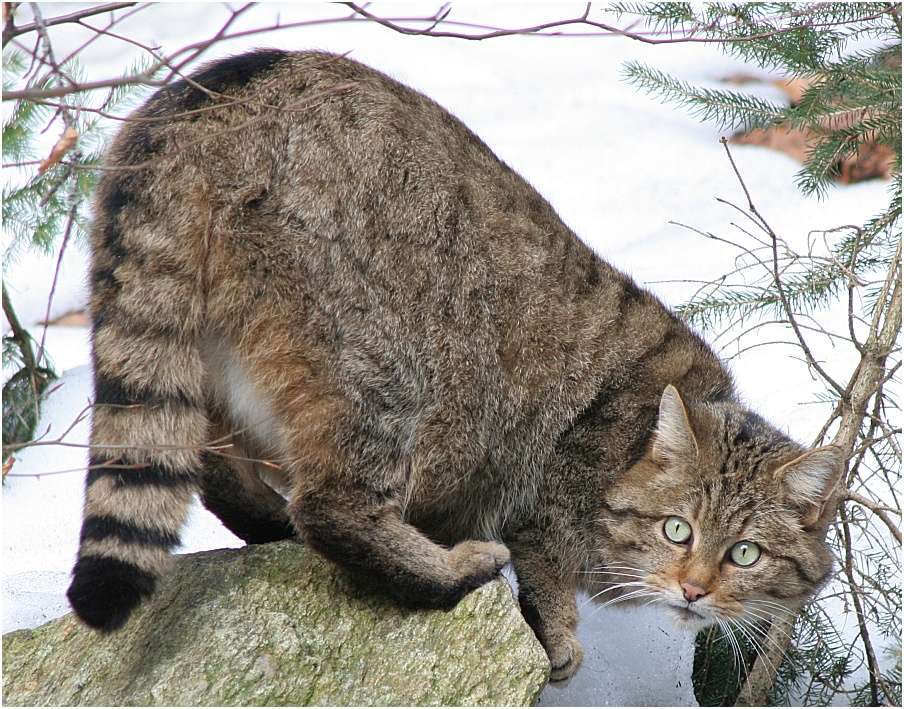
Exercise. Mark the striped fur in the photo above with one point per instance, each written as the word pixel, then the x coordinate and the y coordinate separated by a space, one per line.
pixel 150 421
pixel 312 264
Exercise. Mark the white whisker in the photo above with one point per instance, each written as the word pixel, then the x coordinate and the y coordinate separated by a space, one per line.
pixel 765 635
pixel 758 648
pixel 615 573
pixel 733 643
pixel 769 620
pixel 617 586
pixel 634 595
pixel 620 567
pixel 772 605
pixel 776 645
pixel 640 593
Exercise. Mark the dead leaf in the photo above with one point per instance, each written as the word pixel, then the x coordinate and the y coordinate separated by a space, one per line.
pixel 872 159
pixel 63 146
pixel 793 88
pixel 75 318
pixel 8 465
pixel 791 141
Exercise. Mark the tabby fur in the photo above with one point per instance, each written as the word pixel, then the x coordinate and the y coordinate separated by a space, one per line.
pixel 297 259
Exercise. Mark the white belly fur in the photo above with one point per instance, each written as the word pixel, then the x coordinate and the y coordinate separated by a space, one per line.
pixel 249 409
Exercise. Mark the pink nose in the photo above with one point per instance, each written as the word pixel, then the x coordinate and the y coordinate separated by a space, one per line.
pixel 692 592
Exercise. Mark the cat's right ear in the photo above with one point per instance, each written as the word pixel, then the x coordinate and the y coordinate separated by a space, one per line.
pixel 674 438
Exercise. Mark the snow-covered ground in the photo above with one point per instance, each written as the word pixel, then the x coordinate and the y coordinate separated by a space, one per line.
pixel 616 165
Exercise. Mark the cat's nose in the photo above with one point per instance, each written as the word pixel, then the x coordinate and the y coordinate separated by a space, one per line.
pixel 692 592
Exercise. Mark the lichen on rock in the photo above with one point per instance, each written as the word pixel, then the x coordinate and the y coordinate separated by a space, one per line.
pixel 278 625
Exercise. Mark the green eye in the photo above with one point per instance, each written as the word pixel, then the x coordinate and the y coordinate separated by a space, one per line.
pixel 744 553
pixel 676 530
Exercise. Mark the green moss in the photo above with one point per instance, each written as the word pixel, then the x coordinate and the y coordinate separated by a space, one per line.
pixel 277 625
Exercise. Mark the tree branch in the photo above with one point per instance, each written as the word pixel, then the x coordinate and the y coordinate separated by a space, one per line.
pixel 11 31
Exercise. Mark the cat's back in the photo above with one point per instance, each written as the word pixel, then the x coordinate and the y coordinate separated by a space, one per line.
pixel 292 117
pixel 328 209
pixel 277 162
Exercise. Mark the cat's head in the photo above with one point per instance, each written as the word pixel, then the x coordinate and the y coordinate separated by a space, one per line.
pixel 724 517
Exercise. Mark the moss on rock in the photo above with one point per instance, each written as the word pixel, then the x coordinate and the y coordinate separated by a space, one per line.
pixel 277 625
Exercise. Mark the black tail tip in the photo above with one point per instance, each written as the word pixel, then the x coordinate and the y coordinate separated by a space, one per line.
pixel 105 591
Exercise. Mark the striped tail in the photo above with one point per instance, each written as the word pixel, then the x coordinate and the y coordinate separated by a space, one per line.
pixel 149 422
pixel 143 473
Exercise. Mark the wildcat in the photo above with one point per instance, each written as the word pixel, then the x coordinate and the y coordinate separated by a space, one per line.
pixel 296 258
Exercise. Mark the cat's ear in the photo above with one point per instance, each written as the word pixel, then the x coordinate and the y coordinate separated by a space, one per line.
pixel 811 481
pixel 674 438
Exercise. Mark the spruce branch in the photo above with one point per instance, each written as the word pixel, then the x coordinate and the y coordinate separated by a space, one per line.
pixel 853 261
pixel 729 109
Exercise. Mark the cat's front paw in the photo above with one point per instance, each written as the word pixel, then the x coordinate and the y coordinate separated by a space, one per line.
pixel 478 562
pixel 565 656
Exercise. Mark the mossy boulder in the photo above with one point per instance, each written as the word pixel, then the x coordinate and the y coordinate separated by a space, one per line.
pixel 278 625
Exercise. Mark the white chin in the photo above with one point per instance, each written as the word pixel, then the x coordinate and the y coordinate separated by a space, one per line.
pixel 687 620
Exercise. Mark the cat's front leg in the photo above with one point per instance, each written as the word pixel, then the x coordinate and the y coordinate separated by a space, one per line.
pixel 546 592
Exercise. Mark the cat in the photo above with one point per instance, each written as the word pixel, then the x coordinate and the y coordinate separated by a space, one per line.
pixel 297 259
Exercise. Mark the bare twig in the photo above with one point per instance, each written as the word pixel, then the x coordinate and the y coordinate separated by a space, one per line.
pixel 552 29
pixel 789 313
pixel 70 221
pixel 879 511
pixel 875 677
pixel 10 30
pixel 361 14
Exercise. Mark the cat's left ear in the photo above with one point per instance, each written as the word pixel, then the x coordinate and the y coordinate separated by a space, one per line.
pixel 811 481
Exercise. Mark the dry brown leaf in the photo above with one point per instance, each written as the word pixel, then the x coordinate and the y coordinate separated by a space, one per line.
pixel 8 465
pixel 63 146
pixel 872 160
pixel 75 318
pixel 793 88
pixel 792 142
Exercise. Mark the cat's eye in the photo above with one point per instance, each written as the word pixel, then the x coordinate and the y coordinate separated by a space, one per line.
pixel 676 530
pixel 744 553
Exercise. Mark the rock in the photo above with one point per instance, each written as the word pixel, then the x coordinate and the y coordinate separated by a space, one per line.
pixel 633 657
pixel 278 625
pixel 33 598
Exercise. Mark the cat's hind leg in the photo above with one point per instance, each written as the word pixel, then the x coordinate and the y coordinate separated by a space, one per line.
pixel 232 489
pixel 347 472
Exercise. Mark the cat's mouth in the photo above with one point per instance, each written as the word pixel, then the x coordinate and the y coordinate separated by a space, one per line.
pixel 688 614
pixel 685 616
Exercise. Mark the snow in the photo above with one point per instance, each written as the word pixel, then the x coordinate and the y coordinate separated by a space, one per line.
pixel 618 167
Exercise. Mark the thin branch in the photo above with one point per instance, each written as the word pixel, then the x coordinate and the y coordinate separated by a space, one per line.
pixel 789 313
pixel 875 677
pixel 10 30
pixel 878 510
pixel 606 30
pixel 73 211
